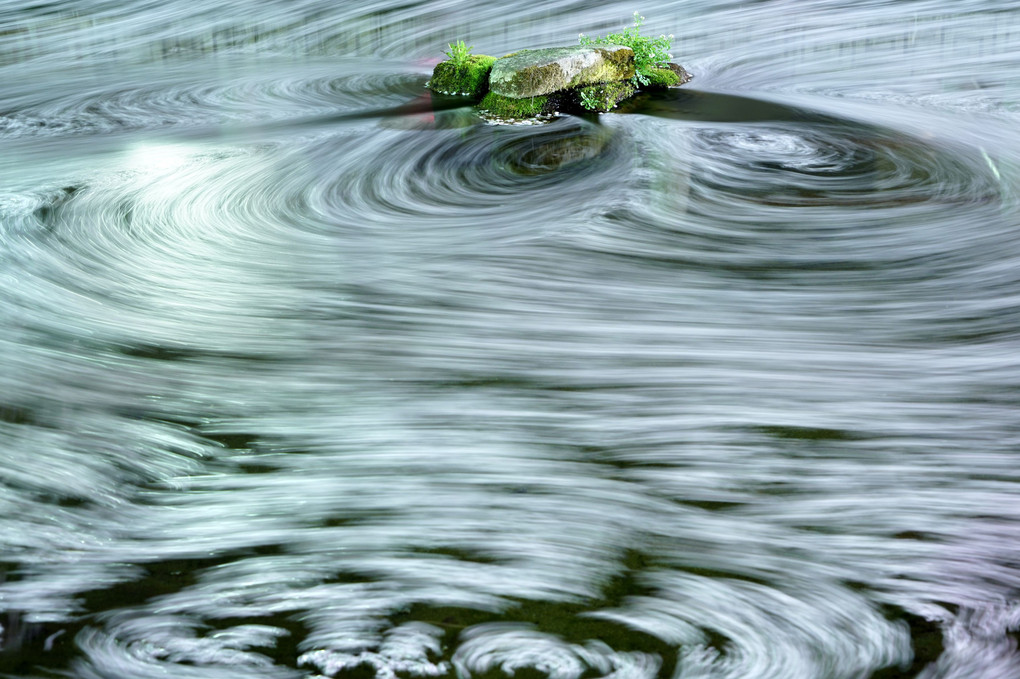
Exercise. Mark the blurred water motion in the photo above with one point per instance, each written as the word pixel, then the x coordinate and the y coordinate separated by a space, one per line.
pixel 303 373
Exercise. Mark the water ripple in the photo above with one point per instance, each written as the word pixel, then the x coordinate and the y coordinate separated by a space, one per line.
pixel 303 371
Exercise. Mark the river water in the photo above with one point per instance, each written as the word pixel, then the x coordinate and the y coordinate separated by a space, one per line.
pixel 304 374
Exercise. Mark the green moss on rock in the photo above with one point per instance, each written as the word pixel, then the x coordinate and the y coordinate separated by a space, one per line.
pixel 661 78
pixel 530 73
pixel 508 107
pixel 604 96
pixel 533 81
pixel 621 63
pixel 471 79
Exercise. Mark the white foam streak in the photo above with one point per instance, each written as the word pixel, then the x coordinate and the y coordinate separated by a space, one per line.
pixel 154 645
pixel 511 647
pixel 404 650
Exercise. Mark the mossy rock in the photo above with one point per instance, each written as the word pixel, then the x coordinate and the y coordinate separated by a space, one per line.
pixel 532 73
pixel 603 97
pixel 531 83
pixel 661 78
pixel 513 109
pixel 680 71
pixel 470 78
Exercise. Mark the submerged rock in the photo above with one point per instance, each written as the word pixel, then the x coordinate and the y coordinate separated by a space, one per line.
pixel 562 150
pixel 533 73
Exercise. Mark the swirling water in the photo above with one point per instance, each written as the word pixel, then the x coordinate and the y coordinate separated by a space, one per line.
pixel 303 373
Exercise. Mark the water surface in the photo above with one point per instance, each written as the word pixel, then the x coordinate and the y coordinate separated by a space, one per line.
pixel 304 373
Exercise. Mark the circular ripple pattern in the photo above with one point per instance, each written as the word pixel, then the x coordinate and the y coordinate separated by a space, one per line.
pixel 304 374
pixel 842 167
pixel 170 97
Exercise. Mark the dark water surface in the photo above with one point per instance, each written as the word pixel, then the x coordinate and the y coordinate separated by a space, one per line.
pixel 303 374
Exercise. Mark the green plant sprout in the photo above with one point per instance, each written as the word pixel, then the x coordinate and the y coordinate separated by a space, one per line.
pixel 459 53
pixel 590 101
pixel 649 52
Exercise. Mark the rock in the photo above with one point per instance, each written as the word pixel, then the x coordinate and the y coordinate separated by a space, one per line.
pixel 532 73
pixel 498 106
pixel 602 97
pixel 550 152
pixel 680 71
pixel 660 78
pixel 468 78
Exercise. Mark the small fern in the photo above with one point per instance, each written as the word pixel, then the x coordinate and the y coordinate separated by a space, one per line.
pixel 459 53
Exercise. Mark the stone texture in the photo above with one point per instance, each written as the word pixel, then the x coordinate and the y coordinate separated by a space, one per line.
pixel 531 73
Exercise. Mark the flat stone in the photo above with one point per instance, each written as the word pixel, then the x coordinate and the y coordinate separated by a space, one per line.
pixel 532 73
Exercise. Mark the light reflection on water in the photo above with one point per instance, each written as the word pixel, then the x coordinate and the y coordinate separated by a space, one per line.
pixel 303 373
